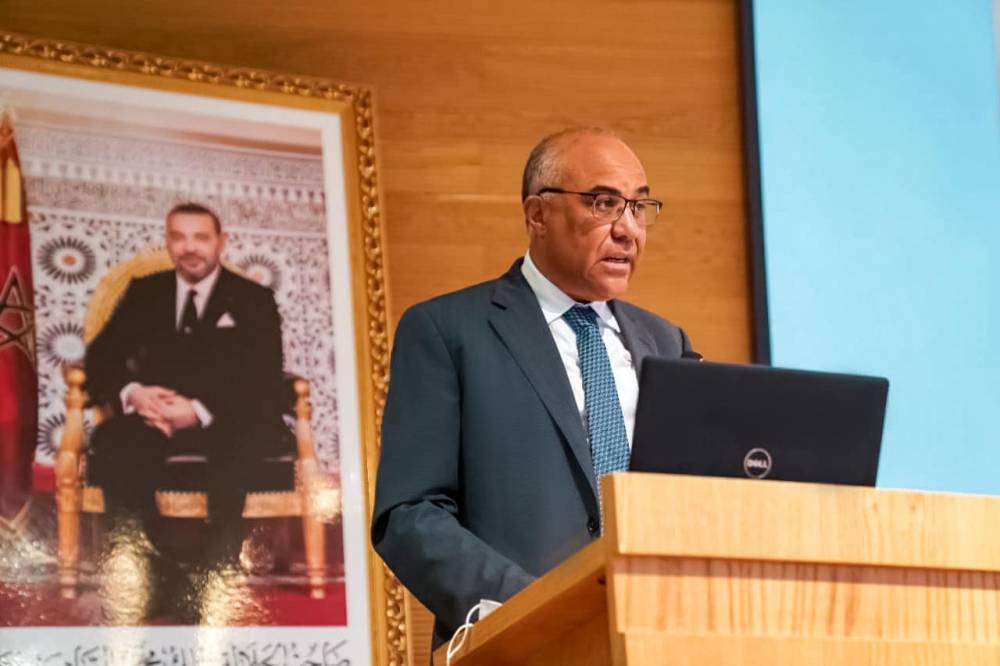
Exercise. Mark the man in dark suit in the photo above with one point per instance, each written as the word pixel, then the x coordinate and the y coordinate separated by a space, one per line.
pixel 509 399
pixel 191 363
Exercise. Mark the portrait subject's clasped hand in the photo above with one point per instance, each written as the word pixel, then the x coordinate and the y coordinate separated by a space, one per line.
pixel 162 408
pixel 179 413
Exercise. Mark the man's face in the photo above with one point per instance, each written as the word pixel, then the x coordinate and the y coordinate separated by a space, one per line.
pixel 587 259
pixel 194 245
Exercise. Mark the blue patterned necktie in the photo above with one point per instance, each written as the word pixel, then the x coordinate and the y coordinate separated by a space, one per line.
pixel 605 423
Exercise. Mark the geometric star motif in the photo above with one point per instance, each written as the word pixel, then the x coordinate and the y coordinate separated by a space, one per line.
pixel 17 322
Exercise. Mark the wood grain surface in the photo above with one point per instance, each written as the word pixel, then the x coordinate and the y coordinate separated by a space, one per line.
pixel 801 522
pixel 666 650
pixel 560 618
pixel 463 91
pixel 843 594
pixel 695 596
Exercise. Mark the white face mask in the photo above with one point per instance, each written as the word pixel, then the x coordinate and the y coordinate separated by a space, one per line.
pixel 484 607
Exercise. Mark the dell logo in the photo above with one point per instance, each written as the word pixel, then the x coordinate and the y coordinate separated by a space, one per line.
pixel 757 463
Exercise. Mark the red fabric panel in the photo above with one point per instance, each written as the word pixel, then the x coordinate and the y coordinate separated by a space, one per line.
pixel 18 378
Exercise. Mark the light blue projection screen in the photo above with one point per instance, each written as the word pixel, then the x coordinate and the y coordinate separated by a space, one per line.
pixel 880 162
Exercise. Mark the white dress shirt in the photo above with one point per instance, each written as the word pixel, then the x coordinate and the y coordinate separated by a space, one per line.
pixel 554 303
pixel 203 289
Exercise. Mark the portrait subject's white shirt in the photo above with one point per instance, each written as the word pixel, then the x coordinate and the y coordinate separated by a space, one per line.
pixel 203 289
pixel 554 302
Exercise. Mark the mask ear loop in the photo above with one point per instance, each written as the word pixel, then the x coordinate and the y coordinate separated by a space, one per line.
pixel 461 634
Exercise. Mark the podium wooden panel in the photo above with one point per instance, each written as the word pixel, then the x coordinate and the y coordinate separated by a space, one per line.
pixel 695 570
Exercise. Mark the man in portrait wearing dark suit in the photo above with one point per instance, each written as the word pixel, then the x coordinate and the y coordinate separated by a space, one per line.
pixel 509 399
pixel 190 363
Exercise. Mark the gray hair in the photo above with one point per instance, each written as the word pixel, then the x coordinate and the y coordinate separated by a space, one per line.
pixel 544 168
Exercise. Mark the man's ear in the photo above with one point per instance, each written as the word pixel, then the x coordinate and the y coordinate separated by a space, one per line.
pixel 534 217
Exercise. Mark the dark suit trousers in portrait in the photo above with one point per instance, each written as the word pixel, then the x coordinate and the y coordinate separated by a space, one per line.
pixel 128 460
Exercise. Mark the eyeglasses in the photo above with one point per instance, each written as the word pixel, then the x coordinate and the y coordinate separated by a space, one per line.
pixel 608 208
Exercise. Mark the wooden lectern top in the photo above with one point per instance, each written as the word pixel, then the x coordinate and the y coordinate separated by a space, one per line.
pixel 697 570
pixel 696 516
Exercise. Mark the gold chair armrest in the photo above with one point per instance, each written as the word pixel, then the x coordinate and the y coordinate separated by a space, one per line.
pixel 67 463
pixel 71 441
pixel 322 497
pixel 303 421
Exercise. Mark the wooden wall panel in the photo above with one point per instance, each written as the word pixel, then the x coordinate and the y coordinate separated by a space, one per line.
pixel 463 91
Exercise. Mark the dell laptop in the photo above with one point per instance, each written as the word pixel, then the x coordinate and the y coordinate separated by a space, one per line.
pixel 717 419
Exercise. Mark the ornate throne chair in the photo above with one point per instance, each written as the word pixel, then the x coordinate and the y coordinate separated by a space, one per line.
pixel 309 493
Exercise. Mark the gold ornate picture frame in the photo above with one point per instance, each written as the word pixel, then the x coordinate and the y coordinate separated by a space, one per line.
pixel 301 123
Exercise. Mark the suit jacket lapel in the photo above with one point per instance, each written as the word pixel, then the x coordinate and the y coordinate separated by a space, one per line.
pixel 637 340
pixel 518 320
pixel 218 301
pixel 167 285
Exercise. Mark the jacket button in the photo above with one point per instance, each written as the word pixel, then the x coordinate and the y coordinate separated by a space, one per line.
pixel 592 526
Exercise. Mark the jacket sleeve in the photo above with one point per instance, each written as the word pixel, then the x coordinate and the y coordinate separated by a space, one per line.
pixel 109 361
pixel 417 526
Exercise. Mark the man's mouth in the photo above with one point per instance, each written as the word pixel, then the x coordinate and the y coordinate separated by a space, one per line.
pixel 616 260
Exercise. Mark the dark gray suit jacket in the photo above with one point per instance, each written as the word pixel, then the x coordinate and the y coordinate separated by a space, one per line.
pixel 485 480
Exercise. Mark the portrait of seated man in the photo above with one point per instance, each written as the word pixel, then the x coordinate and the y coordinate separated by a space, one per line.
pixel 190 363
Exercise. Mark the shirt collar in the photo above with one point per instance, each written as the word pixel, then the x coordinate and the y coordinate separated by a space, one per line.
pixel 554 301
pixel 203 287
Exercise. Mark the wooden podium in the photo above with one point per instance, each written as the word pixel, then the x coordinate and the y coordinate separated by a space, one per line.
pixel 695 570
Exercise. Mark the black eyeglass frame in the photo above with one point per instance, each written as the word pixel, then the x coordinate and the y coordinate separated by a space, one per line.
pixel 629 203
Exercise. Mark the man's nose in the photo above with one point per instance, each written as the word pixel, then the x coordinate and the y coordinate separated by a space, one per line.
pixel 627 226
pixel 188 246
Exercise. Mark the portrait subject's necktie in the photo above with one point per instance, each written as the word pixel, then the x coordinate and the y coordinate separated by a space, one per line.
pixel 189 317
pixel 605 423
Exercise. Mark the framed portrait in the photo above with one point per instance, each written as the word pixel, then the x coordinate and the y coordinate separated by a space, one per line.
pixel 113 151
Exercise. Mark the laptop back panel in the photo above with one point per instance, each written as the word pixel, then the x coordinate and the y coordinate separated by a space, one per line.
pixel 718 419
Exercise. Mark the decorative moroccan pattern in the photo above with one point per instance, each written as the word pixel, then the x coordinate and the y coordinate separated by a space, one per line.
pixel 67 260
pixel 50 433
pixel 143 178
pixel 262 269
pixel 62 343
pixel 98 200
